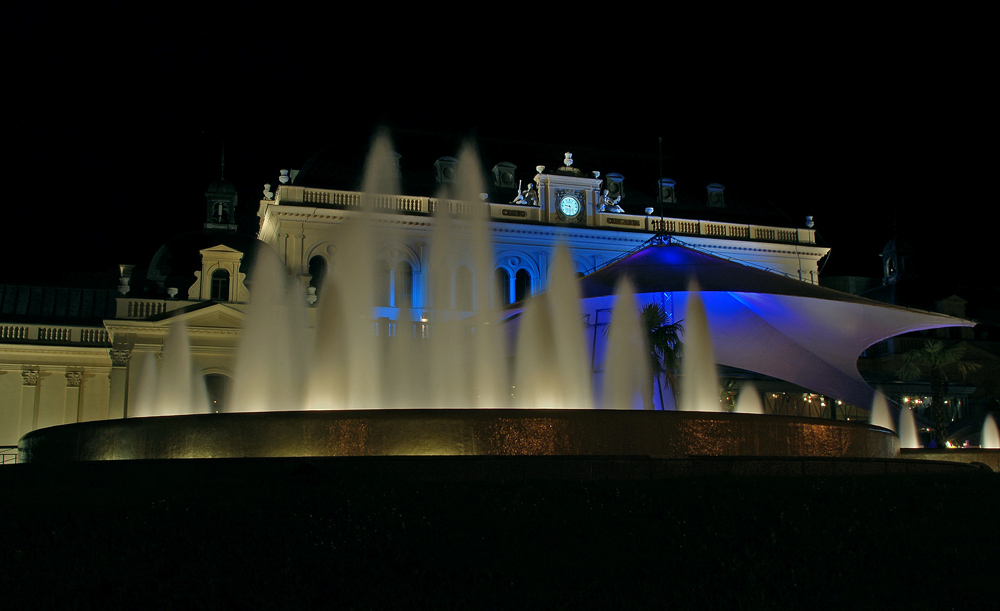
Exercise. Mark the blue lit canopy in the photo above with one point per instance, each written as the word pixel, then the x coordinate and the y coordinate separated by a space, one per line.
pixel 766 322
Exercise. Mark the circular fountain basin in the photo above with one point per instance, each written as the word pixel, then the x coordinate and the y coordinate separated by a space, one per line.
pixel 457 432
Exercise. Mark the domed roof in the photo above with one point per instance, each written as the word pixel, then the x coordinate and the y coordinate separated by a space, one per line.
pixel 174 263
pixel 339 165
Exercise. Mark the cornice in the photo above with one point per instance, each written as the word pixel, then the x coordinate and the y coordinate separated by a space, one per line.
pixel 301 214
pixel 162 331
pixel 594 236
pixel 791 249
pixel 91 351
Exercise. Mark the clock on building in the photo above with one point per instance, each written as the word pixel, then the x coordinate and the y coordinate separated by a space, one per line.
pixel 569 208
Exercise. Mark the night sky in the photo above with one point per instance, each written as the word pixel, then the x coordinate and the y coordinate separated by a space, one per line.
pixel 117 117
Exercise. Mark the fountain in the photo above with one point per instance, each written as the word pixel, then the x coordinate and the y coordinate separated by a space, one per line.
pixel 991 435
pixel 701 389
pixel 749 400
pixel 321 383
pixel 880 415
pixel 908 437
pixel 174 388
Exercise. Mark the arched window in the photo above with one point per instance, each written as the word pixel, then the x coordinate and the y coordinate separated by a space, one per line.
pixel 219 387
pixel 403 285
pixel 502 282
pixel 382 284
pixel 463 289
pixel 522 285
pixel 317 269
pixel 220 285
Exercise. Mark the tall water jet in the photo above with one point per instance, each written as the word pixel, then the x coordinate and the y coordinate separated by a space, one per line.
pixel 570 347
pixel 749 400
pixel 908 437
pixel 489 367
pixel 626 367
pixel 144 399
pixel 448 362
pixel 274 349
pixel 991 435
pixel 699 386
pixel 463 353
pixel 406 382
pixel 172 387
pixel 535 382
pixel 356 277
pixel 328 379
pixel 551 361
pixel 442 346
pixel 880 412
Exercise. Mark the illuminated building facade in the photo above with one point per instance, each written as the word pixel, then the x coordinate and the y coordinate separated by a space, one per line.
pixel 60 364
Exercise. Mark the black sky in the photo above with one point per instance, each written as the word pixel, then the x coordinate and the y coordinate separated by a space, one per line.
pixel 117 115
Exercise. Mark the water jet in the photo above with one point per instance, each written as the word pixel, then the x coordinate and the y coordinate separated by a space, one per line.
pixel 432 375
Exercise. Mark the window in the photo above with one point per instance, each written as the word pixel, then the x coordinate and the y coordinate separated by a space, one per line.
pixel 317 269
pixel 463 289
pixel 218 387
pixel 522 285
pixel 381 290
pixel 502 282
pixel 220 285
pixel 403 285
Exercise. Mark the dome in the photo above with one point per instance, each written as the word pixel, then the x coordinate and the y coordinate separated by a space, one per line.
pixel 339 166
pixel 175 262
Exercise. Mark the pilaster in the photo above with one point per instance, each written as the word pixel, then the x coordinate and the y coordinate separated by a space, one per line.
pixel 29 401
pixel 71 407
pixel 118 379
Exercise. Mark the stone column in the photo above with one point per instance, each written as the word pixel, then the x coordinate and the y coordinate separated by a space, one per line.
pixel 542 282
pixel 119 383
pixel 392 287
pixel 71 409
pixel 282 245
pixel 29 402
pixel 301 265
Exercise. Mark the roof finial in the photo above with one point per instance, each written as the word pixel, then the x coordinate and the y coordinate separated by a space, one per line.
pixel 222 163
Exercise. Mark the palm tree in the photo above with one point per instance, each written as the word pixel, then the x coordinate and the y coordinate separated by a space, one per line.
pixel 935 362
pixel 664 347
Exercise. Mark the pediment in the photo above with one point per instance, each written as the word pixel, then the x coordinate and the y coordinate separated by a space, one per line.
pixel 220 250
pixel 213 316
pixel 203 319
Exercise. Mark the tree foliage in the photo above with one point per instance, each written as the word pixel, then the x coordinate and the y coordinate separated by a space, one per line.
pixel 664 346
pixel 937 364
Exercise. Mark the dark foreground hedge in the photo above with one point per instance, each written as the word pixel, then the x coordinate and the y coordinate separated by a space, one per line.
pixel 297 534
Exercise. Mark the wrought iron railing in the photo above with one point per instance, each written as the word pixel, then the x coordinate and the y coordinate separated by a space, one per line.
pixel 8 455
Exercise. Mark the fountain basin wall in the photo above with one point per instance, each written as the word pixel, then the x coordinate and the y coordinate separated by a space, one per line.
pixel 456 432
pixel 985 456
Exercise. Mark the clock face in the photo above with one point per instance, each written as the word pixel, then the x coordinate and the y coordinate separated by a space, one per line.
pixel 569 206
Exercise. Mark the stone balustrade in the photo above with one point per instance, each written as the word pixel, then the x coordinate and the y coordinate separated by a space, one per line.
pixel 141 308
pixel 13 332
pixel 49 334
pixel 290 195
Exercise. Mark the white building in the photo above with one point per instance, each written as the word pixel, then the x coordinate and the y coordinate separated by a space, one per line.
pixel 58 366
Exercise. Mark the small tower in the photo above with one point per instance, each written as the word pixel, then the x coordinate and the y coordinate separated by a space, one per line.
pixel 220 202
pixel 895 262
pixel 220 206
pixel 567 195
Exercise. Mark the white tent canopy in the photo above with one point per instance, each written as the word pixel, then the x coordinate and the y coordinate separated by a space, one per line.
pixel 765 322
